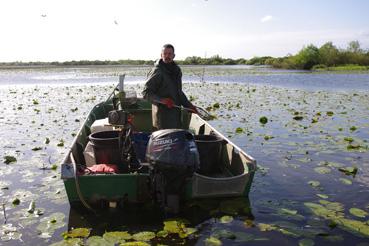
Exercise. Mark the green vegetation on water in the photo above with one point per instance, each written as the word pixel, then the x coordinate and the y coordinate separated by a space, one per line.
pixel 311 186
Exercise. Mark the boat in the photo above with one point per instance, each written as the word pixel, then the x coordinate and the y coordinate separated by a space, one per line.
pixel 230 174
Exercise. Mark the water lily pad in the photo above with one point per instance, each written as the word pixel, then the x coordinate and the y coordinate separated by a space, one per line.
pixel 144 236
pixel 162 233
pixel 322 211
pixel 348 139
pixel 226 219
pixel 314 183
pixel 212 241
pixel 330 113
pixel 306 242
pixel 289 229
pixel 47 140
pixel 97 241
pixel 298 117
pixel 288 211
pixel 266 227
pixel 134 244
pixel 117 236
pixel 178 227
pixel 322 196
pixel 239 130
pixel 68 242
pixel 346 181
pixel 61 143
pixel 263 120
pixel 268 137
pixel 349 170
pixel 77 232
pixel 335 206
pixel 353 128
pixel 354 226
pixel 358 212
pixel 16 202
pixel 216 105
pixel 174 226
pixel 322 170
pixel 9 159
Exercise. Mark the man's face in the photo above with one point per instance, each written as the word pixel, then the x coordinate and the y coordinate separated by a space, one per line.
pixel 167 55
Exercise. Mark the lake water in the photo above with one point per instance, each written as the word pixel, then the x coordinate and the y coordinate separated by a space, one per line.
pixel 217 74
pixel 312 185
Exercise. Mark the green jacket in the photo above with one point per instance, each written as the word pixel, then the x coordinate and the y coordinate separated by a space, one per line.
pixel 165 81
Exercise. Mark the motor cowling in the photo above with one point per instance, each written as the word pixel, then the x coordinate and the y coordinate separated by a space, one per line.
pixel 173 150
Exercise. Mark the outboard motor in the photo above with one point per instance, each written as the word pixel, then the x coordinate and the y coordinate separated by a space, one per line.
pixel 173 157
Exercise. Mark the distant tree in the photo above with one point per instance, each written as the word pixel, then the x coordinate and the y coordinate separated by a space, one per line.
pixel 354 47
pixel 307 57
pixel 258 60
pixel 241 61
pixel 229 62
pixel 192 60
pixel 329 54
pixel 354 54
pixel 215 60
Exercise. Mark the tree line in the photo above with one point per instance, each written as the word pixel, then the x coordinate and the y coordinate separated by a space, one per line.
pixel 327 55
pixel 309 57
pixel 80 63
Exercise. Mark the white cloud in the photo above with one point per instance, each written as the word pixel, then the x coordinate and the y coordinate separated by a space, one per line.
pixel 266 18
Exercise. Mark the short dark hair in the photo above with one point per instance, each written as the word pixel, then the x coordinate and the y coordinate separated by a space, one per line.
pixel 167 46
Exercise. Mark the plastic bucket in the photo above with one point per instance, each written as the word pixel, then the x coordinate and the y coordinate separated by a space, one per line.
pixel 210 150
pixel 106 147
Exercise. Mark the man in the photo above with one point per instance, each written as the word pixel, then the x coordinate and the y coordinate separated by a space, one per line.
pixel 163 89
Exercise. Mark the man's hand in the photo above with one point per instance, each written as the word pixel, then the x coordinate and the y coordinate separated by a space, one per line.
pixel 167 102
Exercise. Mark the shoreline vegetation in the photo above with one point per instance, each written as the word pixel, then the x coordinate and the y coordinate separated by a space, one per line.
pixel 325 58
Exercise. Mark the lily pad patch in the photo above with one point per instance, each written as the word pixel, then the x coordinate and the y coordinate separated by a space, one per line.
pixel 322 170
pixel 77 232
pixel 358 212
pixel 9 159
pixel 144 236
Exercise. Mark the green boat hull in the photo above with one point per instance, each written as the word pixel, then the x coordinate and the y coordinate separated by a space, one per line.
pixel 235 179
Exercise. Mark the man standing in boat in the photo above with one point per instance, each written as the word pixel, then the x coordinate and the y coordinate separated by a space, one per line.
pixel 163 89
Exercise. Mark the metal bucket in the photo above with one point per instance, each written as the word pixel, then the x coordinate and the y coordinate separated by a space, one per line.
pixel 106 147
pixel 210 150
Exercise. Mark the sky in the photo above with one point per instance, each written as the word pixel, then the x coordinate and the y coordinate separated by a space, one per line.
pixel 55 30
